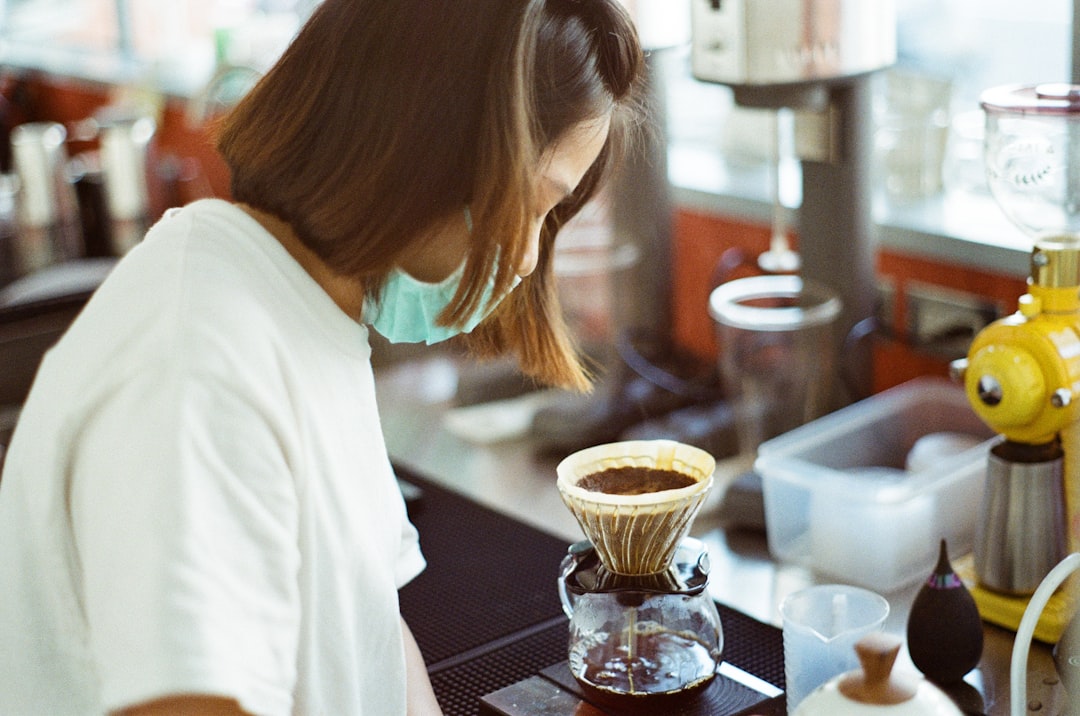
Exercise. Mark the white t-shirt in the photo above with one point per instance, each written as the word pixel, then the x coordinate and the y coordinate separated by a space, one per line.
pixel 198 499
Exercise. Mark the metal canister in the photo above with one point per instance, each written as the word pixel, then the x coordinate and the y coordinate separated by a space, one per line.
pixel 1021 533
pixel 47 214
pixel 124 146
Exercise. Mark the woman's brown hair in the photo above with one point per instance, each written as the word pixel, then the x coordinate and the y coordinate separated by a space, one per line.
pixel 384 117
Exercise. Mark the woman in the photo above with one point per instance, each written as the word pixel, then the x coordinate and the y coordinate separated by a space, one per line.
pixel 197 513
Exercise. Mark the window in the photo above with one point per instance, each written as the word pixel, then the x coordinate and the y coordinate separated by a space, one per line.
pixel 962 46
pixel 177 44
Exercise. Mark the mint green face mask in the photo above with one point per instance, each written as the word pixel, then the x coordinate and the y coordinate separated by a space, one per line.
pixel 408 308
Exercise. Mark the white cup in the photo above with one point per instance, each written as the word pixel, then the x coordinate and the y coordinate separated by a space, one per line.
pixel 821 626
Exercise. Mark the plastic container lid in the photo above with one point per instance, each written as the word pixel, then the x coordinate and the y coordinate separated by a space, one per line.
pixel 1051 98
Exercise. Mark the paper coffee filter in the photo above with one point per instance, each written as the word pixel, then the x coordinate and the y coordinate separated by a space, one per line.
pixel 636 534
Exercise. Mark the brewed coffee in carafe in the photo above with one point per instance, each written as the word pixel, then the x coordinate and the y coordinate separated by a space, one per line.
pixel 641 641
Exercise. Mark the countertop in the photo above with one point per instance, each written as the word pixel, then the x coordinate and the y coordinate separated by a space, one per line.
pixel 513 477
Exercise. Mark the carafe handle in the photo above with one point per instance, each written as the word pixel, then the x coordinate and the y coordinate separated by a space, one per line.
pixel 566 568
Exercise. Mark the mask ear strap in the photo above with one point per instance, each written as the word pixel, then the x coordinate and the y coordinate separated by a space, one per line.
pixel 468 218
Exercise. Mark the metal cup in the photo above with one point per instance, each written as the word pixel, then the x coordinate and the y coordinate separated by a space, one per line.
pixel 1021 534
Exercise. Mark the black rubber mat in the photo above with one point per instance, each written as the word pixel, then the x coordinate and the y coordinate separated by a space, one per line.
pixel 460 687
pixel 755 647
pixel 488 576
pixel 486 611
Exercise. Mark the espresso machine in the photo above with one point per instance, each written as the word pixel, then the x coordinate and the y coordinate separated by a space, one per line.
pixel 816 60
pixel 1022 372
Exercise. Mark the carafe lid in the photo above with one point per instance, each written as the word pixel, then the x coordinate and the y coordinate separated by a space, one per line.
pixel 688 574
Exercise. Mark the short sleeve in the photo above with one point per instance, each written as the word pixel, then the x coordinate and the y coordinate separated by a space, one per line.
pixel 184 514
pixel 410 562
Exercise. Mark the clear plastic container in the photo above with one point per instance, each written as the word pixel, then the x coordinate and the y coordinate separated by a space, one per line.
pixel 841 499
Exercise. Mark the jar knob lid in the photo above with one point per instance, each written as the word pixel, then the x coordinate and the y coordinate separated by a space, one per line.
pixel 876 684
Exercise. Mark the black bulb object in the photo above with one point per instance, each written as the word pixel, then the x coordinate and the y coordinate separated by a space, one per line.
pixel 944 629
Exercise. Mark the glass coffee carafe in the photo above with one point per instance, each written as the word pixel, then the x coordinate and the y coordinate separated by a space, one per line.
pixel 638 641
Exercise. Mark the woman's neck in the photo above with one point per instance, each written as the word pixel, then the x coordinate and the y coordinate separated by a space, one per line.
pixel 346 292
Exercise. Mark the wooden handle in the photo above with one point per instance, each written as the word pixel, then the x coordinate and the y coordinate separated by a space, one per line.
pixel 875 684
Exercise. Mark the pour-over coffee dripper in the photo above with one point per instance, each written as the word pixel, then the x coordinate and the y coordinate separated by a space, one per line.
pixel 643 628
pixel 636 533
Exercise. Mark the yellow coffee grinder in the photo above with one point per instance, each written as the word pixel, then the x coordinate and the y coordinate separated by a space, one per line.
pixel 1022 372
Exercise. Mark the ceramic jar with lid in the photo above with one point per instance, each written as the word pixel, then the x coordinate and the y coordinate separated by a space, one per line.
pixel 874 690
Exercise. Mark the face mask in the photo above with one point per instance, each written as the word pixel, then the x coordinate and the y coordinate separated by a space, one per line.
pixel 408 310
